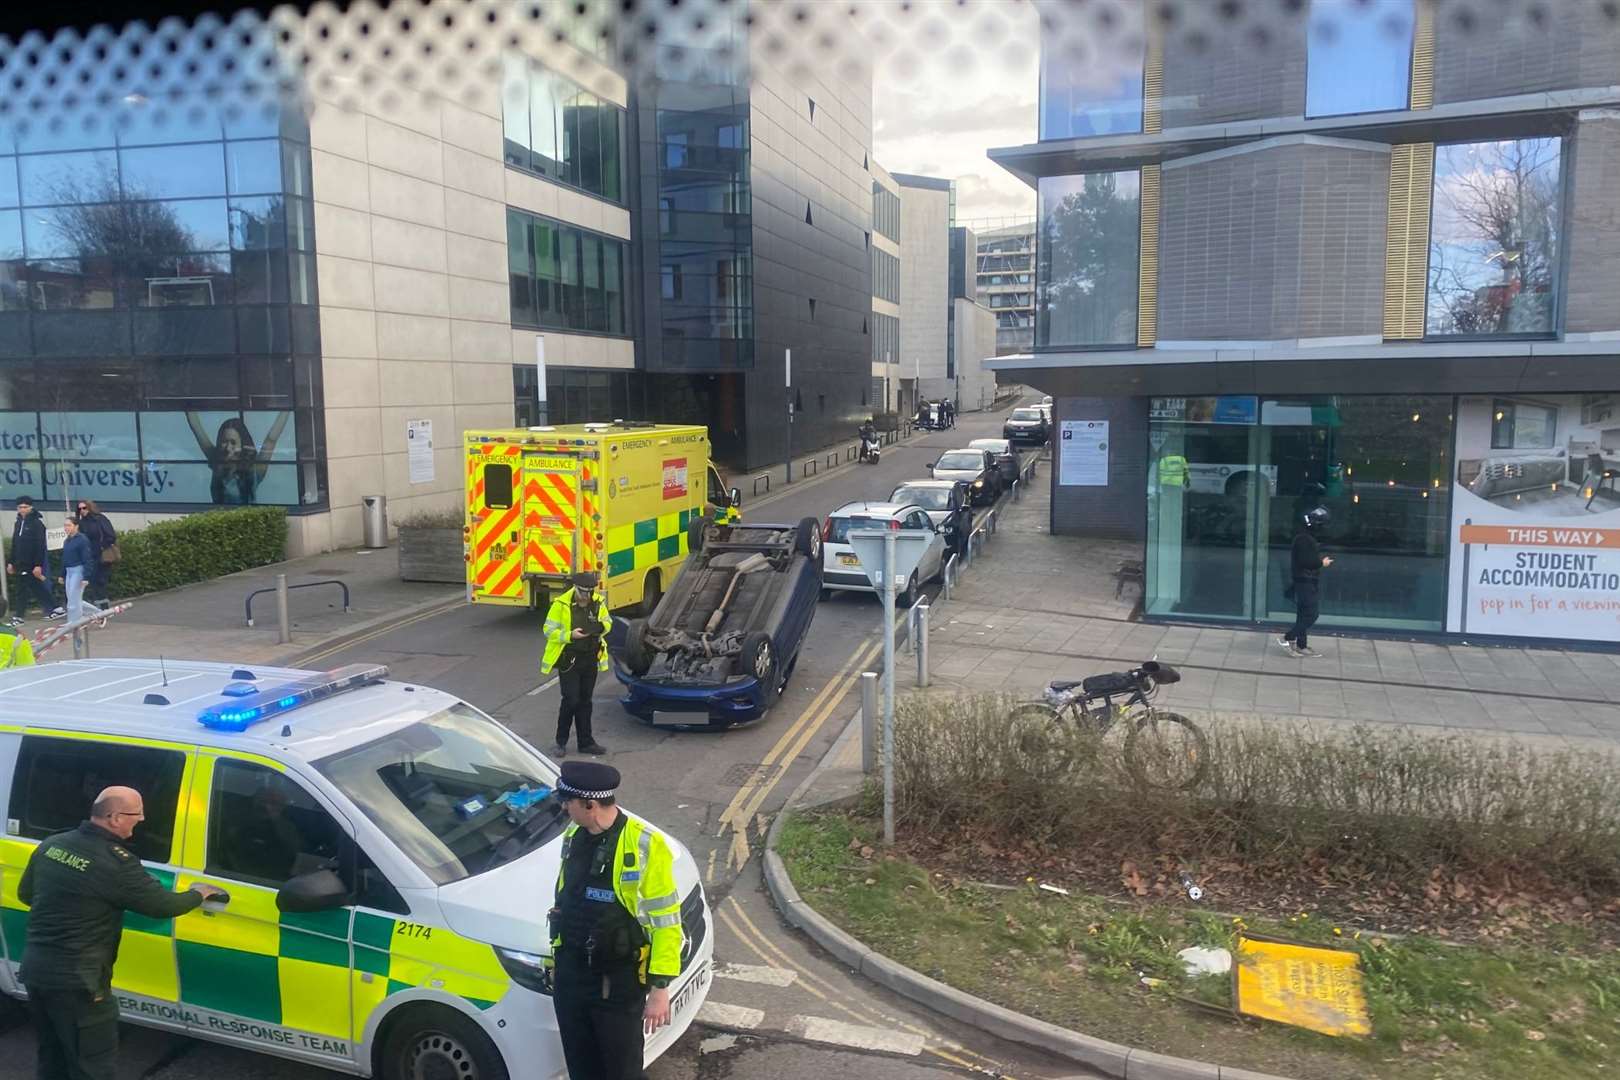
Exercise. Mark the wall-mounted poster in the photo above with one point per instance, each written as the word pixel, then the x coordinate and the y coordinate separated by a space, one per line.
pixel 1535 519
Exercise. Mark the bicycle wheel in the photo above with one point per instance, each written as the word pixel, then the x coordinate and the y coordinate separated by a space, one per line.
pixel 1042 738
pixel 1166 750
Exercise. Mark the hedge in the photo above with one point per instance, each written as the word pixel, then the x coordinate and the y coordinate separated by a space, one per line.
pixel 200 547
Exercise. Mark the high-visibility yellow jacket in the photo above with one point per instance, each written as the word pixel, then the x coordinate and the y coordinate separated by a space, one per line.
pixel 1173 471
pixel 559 630
pixel 18 652
pixel 645 886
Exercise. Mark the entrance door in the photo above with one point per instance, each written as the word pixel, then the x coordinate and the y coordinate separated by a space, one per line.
pixel 1202 513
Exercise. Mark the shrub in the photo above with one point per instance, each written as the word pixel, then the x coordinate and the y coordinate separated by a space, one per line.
pixel 199 547
pixel 1391 799
pixel 448 517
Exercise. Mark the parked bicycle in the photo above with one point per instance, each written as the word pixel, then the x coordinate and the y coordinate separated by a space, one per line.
pixel 1162 749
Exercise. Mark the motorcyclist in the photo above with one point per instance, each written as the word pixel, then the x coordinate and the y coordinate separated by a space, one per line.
pixel 868 434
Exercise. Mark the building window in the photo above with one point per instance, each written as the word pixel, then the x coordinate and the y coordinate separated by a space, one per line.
pixel 885 276
pixel 1359 57
pixel 1494 238
pixel 885 211
pixel 563 277
pixel 1228 478
pixel 1516 425
pixel 1092 84
pixel 559 130
pixel 1087 274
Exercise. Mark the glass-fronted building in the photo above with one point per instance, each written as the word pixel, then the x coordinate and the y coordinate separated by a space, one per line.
pixel 1363 263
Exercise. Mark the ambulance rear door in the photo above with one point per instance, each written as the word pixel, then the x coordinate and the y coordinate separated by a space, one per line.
pixel 557 513
pixel 494 522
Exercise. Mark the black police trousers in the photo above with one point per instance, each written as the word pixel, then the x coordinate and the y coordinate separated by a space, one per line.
pixel 78 1035
pixel 576 682
pixel 600 1041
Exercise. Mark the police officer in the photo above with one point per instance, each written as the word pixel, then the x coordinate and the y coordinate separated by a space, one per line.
pixel 576 630
pixel 615 929
pixel 15 648
pixel 79 884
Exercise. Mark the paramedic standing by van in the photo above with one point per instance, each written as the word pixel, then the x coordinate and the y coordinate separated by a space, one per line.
pixel 576 646
pixel 615 929
pixel 78 885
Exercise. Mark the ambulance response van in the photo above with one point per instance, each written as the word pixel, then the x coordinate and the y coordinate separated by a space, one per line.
pixel 622 499
pixel 388 854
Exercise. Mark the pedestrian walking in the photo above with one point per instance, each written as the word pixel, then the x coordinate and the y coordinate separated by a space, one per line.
pixel 15 648
pixel 576 630
pixel 78 885
pixel 615 929
pixel 29 562
pixel 78 563
pixel 103 546
pixel 1305 586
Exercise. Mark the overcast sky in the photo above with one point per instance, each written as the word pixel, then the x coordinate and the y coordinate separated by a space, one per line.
pixel 952 80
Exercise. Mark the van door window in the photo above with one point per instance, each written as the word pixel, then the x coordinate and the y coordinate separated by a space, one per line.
pixel 718 495
pixel 57 780
pixel 498 487
pixel 265 828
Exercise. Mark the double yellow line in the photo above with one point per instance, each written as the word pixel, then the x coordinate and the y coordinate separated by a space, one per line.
pixel 753 793
pixel 389 628
pixel 737 921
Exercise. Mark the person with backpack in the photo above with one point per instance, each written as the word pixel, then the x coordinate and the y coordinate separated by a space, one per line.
pixel 30 560
pixel 15 648
pixel 103 549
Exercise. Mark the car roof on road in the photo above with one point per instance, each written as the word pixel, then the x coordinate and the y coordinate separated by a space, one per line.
pixel 988 444
pixel 162 701
pixel 926 484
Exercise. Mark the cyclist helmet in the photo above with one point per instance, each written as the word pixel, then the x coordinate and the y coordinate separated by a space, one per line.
pixel 1315 519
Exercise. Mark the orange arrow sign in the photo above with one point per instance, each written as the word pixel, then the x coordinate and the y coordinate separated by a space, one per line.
pixel 1540 536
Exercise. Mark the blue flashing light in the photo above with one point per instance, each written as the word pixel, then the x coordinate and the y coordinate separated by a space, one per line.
pixel 255 705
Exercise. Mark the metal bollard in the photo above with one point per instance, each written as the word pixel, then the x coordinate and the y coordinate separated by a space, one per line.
pixel 869 720
pixel 922 645
pixel 285 628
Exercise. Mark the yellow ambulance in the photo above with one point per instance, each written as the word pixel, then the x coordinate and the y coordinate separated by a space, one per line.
pixel 385 849
pixel 622 499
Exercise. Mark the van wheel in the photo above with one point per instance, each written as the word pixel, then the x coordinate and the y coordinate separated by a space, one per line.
pixel 807 539
pixel 651 592
pixel 637 656
pixel 435 1043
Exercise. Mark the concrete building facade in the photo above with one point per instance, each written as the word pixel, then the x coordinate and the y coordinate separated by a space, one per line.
pixel 887 257
pixel 1364 261
pixel 1006 281
pixel 928 206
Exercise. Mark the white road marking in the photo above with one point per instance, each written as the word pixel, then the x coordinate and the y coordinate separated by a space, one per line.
pixel 819 1029
pixel 732 1016
pixel 756 973
pixel 543 687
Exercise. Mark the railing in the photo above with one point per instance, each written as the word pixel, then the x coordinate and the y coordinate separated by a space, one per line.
pixel 765 477
pixel 281 589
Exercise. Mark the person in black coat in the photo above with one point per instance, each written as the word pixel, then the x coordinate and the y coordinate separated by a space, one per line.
pixel 1306 565
pixel 30 561
pixel 95 527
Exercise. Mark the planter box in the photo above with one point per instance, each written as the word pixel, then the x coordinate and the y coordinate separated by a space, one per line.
pixel 433 554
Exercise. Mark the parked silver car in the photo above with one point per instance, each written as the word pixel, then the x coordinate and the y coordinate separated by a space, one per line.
pixel 975 468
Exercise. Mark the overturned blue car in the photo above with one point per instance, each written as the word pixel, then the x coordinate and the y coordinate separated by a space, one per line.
pixel 723 641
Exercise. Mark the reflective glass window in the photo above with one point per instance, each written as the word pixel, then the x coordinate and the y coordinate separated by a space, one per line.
pixel 295 179
pixel 1092 85
pixel 258 224
pixel 1090 242
pixel 180 280
pixel 1359 56
pixel 260 276
pixel 53 179
pixel 253 168
pixel 143 122
pixel 1494 236
pixel 520 271
pixel 65 130
pixel 8 181
pixel 172 172
pixel 11 235
pixel 300 224
pixel 73 284
pixel 563 277
pixel 515 109
pixel 544 141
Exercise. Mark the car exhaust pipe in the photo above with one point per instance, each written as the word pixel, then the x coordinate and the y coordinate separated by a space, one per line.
pixel 752 564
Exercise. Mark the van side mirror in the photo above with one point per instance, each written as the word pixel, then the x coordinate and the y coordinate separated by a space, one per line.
pixel 319 890
pixel 736 496
pixel 931 465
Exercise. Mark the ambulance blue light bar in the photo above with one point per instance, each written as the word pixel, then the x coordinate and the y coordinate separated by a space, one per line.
pixel 242 710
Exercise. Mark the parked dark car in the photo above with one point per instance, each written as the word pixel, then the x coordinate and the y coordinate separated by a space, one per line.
pixel 1006 455
pixel 975 468
pixel 1027 424
pixel 947 503
pixel 724 639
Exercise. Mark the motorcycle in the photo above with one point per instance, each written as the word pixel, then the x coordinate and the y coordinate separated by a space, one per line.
pixel 871 450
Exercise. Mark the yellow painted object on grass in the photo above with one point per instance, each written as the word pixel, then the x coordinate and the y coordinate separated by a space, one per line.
pixel 1309 987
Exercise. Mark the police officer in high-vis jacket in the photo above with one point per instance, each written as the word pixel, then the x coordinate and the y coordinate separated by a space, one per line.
pixel 615 929
pixel 576 631
pixel 78 885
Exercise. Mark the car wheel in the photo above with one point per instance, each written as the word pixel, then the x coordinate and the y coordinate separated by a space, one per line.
pixel 758 658
pixel 432 1042
pixel 908 596
pixel 807 538
pixel 638 656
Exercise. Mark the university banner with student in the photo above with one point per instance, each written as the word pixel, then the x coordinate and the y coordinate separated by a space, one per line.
pixel 1535 520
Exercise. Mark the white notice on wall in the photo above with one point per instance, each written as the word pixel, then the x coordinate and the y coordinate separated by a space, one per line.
pixel 419 450
pixel 1083 453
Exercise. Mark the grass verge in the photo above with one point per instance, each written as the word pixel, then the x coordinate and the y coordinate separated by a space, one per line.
pixel 1440 1011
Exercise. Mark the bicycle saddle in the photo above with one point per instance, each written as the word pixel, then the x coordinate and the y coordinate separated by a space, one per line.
pixel 1065 684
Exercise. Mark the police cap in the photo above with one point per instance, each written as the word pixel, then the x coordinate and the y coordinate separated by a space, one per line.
pixel 587 780
pixel 586 579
